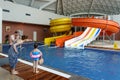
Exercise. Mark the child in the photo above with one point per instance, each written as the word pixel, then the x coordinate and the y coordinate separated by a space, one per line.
pixel 35 54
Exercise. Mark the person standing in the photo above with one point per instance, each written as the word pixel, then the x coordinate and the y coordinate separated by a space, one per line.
pixel 36 54
pixel 13 52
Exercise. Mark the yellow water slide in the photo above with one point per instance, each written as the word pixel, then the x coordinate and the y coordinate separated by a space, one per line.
pixel 58 25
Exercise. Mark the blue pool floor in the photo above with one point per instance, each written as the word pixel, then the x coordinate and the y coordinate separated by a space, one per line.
pixel 91 63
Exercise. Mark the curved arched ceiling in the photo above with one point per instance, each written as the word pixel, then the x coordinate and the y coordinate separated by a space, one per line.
pixel 68 7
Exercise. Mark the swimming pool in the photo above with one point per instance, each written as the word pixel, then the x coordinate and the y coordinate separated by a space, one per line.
pixel 91 63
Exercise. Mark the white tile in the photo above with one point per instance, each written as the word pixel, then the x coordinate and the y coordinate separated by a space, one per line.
pixel 5 75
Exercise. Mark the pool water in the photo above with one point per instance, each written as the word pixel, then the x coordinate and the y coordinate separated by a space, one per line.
pixel 91 63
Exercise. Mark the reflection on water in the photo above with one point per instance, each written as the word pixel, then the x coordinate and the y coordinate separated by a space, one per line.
pixel 91 63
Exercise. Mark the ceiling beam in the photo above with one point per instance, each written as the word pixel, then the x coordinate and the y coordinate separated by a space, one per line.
pixel 14 1
pixel 47 4
pixel 102 14
pixel 102 6
pixel 56 7
pixel 117 6
pixel 108 7
pixel 32 2
pixel 83 5
pixel 10 1
pixel 49 10
pixel 45 0
pixel 91 5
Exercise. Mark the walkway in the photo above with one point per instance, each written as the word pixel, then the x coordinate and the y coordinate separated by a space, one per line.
pixel 105 45
pixel 26 73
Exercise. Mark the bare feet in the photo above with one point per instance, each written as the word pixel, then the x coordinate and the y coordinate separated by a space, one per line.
pixel 14 72
pixel 37 72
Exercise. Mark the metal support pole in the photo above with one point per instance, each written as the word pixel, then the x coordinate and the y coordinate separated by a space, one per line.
pixel 103 36
pixel 113 37
pixel 75 30
pixel 109 38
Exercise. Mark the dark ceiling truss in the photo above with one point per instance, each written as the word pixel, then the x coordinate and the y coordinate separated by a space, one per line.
pixel 102 6
pixel 108 7
pixel 91 4
pixel 50 10
pixel 97 8
pixel 69 7
pixel 117 5
pixel 84 7
pixel 32 2
pixel 9 0
pixel 59 9
pixel 112 4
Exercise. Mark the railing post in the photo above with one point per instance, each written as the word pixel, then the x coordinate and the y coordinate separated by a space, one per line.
pixel 103 36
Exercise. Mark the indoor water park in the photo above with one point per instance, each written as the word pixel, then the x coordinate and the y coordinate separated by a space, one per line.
pixel 59 40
